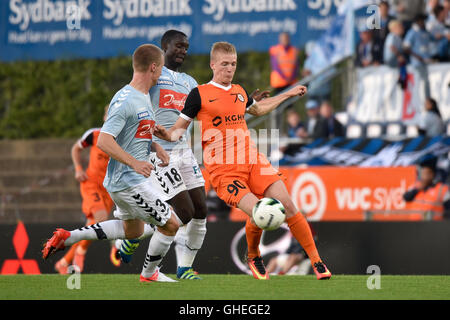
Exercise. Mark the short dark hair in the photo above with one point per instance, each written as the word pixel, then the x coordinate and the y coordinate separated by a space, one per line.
pixel 437 10
pixel 169 36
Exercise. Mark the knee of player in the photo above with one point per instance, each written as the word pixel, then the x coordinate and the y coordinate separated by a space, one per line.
pixel 290 208
pixel 185 214
pixel 200 211
pixel 171 227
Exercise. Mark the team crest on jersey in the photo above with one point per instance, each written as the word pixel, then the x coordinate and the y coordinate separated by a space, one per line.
pixel 141 115
pixel 162 82
pixel 145 129
pixel 240 97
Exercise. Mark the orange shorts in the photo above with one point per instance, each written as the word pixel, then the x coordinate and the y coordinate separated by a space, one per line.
pixel 232 182
pixel 95 198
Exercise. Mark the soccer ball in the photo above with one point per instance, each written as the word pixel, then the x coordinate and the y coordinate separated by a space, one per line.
pixel 268 214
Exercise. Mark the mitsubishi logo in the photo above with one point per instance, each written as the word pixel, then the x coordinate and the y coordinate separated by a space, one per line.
pixel 20 242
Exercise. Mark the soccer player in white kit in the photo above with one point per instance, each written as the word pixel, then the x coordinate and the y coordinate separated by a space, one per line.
pixel 126 137
pixel 181 182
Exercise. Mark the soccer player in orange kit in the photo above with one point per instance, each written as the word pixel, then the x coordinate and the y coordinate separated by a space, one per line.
pixel 239 174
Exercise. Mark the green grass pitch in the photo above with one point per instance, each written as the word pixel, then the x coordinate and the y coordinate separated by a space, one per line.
pixel 226 287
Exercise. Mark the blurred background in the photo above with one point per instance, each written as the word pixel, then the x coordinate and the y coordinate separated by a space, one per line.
pixel 365 153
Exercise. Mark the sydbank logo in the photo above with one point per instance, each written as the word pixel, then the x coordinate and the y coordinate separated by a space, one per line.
pixel 45 11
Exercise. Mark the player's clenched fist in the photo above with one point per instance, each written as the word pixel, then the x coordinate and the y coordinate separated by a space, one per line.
pixel 297 91
pixel 161 132
pixel 142 167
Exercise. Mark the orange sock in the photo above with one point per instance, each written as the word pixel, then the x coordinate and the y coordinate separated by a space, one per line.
pixel 69 255
pixel 253 235
pixel 84 244
pixel 302 232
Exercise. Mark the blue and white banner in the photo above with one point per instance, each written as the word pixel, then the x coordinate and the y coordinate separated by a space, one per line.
pixel 55 29
pixel 378 97
pixel 368 152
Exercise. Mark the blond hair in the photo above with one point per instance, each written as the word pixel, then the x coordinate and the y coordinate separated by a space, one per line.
pixel 393 24
pixel 145 55
pixel 222 47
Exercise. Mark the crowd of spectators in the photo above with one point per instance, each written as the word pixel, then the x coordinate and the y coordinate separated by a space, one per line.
pixel 410 31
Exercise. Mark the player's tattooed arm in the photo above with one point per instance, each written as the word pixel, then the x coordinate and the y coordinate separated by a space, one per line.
pixel 267 105
pixel 108 144
pixel 161 154
pixel 174 133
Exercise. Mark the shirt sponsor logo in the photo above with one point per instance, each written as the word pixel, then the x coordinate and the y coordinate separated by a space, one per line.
pixel 145 129
pixel 162 82
pixel 169 99
pixel 141 115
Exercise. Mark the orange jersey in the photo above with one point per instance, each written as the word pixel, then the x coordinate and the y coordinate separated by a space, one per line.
pixel 231 158
pixel 284 63
pixel 225 136
pixel 98 160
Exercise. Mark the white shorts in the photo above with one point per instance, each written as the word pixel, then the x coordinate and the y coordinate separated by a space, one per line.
pixel 144 202
pixel 182 173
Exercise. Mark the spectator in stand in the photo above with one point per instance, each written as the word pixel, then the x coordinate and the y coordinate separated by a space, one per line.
pixel 428 195
pixel 320 87
pixel 296 129
pixel 312 111
pixel 440 32
pixel 369 51
pixel 385 19
pixel 284 63
pixel 328 126
pixel 407 10
pixel 447 12
pixel 431 4
pixel 418 44
pixel 430 123
pixel 393 47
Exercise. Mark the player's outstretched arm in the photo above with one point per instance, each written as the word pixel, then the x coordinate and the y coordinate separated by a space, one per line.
pixel 265 106
pixel 108 144
pixel 174 133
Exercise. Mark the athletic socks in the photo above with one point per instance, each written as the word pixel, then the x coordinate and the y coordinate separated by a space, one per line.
pixel 253 235
pixel 106 230
pixel 302 232
pixel 193 239
pixel 157 249
pixel 180 240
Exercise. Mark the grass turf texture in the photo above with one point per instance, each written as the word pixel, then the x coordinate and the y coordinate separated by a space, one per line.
pixel 226 287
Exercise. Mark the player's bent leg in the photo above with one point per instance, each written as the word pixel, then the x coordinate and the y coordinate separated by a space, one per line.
pixel 127 247
pixel 81 250
pixel 299 227
pixel 106 230
pixel 191 237
pixel 253 236
pixel 157 249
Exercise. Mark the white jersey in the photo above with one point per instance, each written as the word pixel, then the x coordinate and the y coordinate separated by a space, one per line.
pixel 130 121
pixel 168 97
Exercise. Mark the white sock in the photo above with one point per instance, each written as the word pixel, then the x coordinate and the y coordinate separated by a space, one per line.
pixel 106 230
pixel 180 240
pixel 195 234
pixel 157 249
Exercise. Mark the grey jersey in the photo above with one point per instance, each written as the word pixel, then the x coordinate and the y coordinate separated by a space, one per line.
pixel 130 121
pixel 168 97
